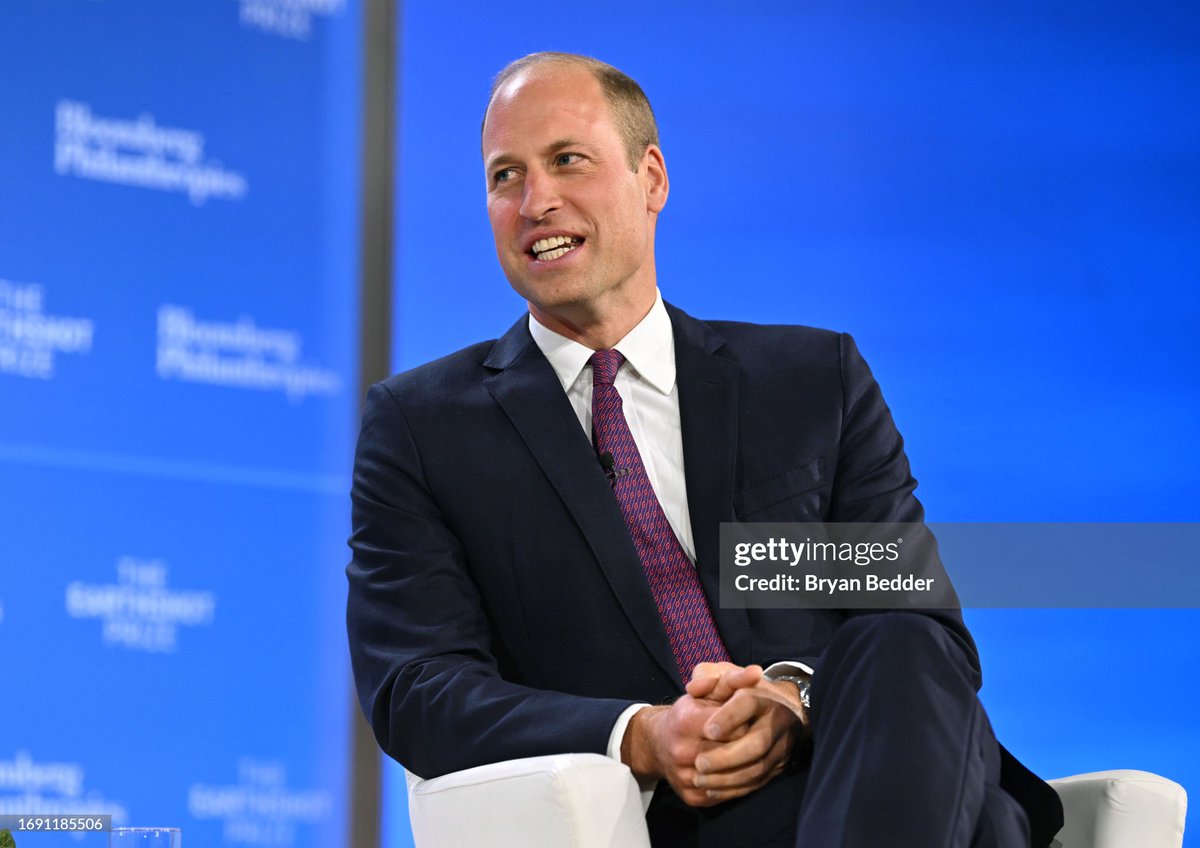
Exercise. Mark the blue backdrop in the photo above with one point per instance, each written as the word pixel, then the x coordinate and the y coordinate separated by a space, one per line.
pixel 1001 204
pixel 178 389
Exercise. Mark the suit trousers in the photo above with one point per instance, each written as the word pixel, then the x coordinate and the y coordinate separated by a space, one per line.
pixel 902 756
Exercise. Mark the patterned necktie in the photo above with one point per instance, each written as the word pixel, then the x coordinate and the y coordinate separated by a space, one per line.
pixel 673 580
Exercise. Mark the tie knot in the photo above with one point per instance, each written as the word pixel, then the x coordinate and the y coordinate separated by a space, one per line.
pixel 604 366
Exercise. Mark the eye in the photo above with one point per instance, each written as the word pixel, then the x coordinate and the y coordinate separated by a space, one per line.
pixel 567 158
pixel 502 176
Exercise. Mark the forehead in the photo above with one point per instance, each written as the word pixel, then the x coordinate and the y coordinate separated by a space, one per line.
pixel 543 104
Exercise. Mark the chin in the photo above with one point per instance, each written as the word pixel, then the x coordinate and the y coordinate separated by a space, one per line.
pixel 550 295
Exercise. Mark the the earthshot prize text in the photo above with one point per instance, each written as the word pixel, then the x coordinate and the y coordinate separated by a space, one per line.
pixel 832 566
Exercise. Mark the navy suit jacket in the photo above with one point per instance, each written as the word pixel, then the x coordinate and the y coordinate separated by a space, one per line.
pixel 497 606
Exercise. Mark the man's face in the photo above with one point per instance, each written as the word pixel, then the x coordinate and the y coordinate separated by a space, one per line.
pixel 574 225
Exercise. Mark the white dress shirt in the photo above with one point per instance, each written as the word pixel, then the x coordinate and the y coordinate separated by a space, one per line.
pixel 649 397
pixel 650 401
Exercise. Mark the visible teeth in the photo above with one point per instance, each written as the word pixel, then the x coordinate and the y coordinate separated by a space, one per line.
pixel 542 245
pixel 554 254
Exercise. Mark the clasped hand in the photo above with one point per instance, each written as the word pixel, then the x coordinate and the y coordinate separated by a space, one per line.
pixel 729 735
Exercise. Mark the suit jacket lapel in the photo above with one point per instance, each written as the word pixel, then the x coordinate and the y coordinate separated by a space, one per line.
pixel 708 410
pixel 528 390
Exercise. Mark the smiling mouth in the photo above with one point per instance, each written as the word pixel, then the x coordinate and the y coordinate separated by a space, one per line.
pixel 555 247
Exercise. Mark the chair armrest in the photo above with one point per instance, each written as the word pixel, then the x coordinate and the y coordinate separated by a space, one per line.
pixel 591 801
pixel 1118 809
pixel 575 800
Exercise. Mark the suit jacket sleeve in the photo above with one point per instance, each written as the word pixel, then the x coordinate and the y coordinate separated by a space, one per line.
pixel 874 483
pixel 859 472
pixel 419 637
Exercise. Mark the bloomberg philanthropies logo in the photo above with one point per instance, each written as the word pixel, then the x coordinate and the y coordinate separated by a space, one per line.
pixel 139 153
pixel 47 788
pixel 238 354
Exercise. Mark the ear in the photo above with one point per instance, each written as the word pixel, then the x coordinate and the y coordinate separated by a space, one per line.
pixel 653 173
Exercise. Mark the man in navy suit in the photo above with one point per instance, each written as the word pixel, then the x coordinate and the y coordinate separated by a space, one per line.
pixel 507 594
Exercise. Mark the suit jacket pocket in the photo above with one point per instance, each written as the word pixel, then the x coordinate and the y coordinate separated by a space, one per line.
pixel 802 479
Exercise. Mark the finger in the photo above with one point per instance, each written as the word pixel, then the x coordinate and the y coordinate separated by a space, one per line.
pixel 735 679
pixel 701 687
pixel 735 755
pixel 770 690
pixel 740 709
pixel 694 797
pixel 708 796
pixel 698 790
pixel 712 669
pixel 748 776
pixel 720 688
pixel 683 781
pixel 764 733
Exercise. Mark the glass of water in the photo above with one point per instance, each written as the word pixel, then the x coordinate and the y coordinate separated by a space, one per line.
pixel 145 837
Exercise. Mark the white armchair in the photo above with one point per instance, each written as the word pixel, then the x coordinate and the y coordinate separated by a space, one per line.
pixel 590 801
pixel 1120 809
pixel 559 801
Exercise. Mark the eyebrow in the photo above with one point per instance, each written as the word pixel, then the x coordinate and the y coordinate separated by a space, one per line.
pixel 550 149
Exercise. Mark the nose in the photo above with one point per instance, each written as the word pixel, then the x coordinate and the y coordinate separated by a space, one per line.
pixel 540 195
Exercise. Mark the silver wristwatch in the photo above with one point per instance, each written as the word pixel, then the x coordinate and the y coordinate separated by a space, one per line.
pixel 804 684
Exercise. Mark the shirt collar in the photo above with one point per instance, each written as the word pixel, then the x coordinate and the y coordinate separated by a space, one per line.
pixel 649 348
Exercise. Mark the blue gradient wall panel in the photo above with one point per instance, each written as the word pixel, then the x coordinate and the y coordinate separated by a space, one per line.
pixel 178 393
pixel 1002 206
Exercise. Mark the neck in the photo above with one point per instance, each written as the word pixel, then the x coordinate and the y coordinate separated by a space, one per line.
pixel 598 329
